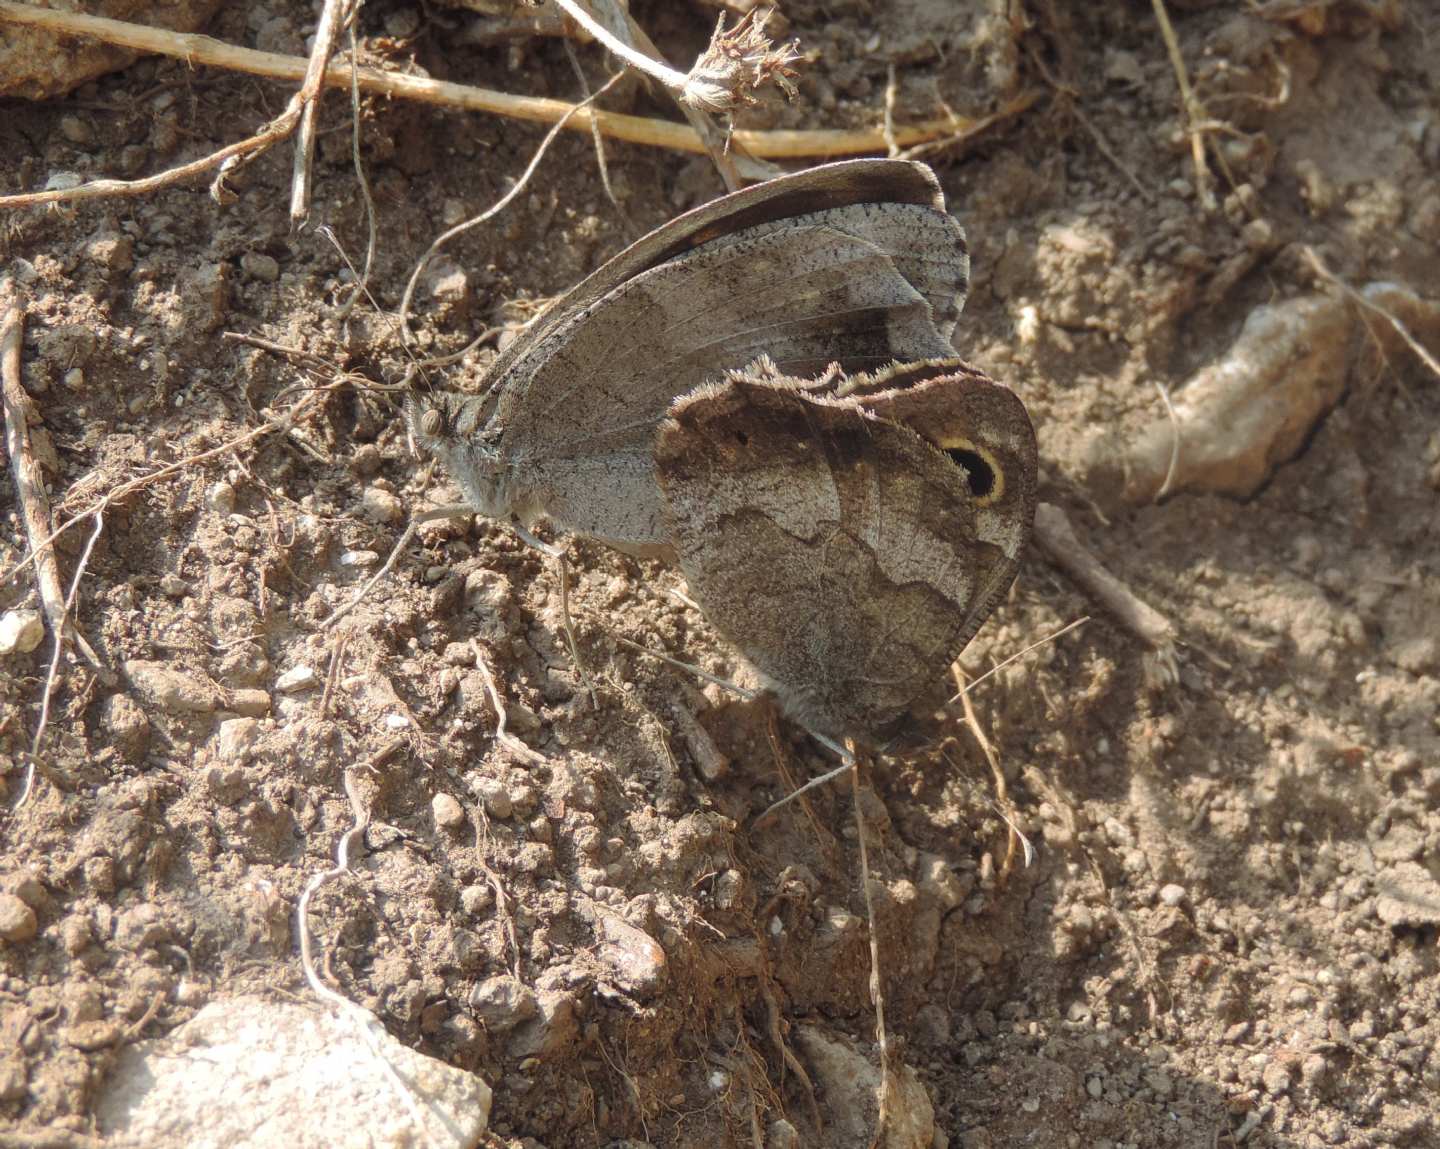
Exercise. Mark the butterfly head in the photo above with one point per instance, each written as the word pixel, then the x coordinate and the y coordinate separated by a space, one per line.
pixel 452 428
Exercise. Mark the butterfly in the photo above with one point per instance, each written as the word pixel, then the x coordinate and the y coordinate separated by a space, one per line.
pixel 766 384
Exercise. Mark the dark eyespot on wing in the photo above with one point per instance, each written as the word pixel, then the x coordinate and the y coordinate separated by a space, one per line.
pixel 979 474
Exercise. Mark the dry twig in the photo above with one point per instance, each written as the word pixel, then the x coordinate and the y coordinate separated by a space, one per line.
pixel 195 49
pixel 1194 117
pixel 407 338
pixel 327 32
pixel 1002 790
pixel 30 483
pixel 282 422
pixel 1361 300
pixel 877 993
pixel 967 687
pixel 53 672
pixel 502 736
pixel 1057 538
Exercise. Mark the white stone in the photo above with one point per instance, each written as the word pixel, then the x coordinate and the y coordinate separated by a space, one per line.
pixel 280 1075
pixel 297 678
pixel 20 631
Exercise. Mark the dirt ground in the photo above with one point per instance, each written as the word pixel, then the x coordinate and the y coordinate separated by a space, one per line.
pixel 1228 931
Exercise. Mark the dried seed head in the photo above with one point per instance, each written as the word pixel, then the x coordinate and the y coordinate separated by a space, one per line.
pixel 737 62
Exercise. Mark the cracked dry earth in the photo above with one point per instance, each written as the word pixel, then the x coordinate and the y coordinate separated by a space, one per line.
pixel 1227 935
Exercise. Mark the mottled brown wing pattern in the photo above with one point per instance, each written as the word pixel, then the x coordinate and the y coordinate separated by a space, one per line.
pixel 834 549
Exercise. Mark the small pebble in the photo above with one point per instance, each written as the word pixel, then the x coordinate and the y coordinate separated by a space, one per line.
pixel 477 899
pixel 77 130
pixel 141 927
pixel 27 887
pixel 20 631
pixel 366 461
pixel 171 688
pixel 359 559
pixel 1173 895
pixel 502 1002
pixel 17 920
pixel 381 506
pixel 258 265
pixel 237 739
pixel 132 160
pixel 128 726
pixel 448 813
pixel 220 498
pixel 253 703
pixel 493 793
pixel 296 679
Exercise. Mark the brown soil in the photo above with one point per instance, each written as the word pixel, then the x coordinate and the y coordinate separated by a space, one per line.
pixel 1229 929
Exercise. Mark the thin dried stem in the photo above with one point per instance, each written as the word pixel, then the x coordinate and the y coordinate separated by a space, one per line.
pixel 1424 355
pixel 1191 105
pixel 724 683
pixel 327 32
pixel 1175 440
pixel 877 993
pixel 502 736
pixel 30 483
pixel 656 69
pixel 407 338
pixel 1019 654
pixel 1056 537
pixel 203 50
pixel 734 64
pixel 51 675
pixel 275 423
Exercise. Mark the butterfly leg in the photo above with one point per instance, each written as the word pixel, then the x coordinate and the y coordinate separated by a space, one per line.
pixel 567 623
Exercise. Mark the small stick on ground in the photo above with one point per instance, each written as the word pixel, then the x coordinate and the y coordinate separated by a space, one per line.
pixel 596 137
pixel 502 736
pixel 362 181
pixel 1072 94
pixel 1015 841
pixel 877 993
pixel 503 902
pixel 967 687
pixel 369 1028
pixel 1174 466
pixel 557 554
pixel 1390 317
pixel 57 647
pixel 735 688
pixel 734 63
pixel 1058 540
pixel 327 32
pixel 1193 112
pixel 30 484
pixel 892 98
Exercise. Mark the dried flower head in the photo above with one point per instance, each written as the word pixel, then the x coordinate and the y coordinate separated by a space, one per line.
pixel 737 62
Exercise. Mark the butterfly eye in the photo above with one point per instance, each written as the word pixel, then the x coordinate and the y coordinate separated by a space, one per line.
pixel 432 422
pixel 982 473
pixel 742 438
